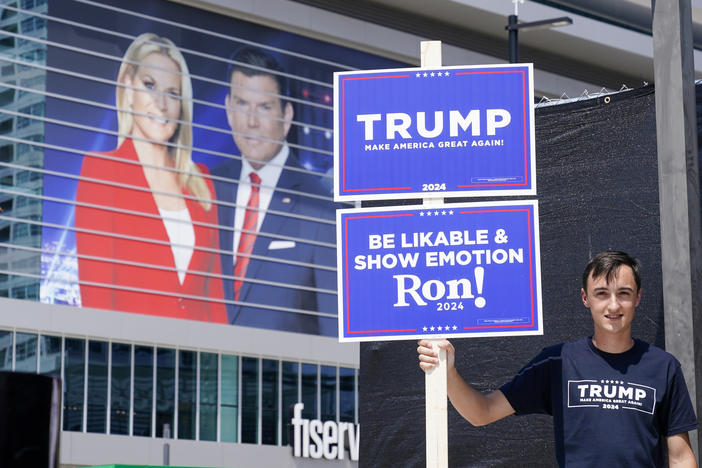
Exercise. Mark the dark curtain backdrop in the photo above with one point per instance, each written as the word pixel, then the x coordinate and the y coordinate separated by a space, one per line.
pixel 597 185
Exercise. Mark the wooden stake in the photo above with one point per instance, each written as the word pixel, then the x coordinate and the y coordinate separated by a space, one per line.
pixel 436 413
pixel 435 380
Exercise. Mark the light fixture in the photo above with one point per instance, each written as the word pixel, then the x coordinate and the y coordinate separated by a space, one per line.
pixel 541 24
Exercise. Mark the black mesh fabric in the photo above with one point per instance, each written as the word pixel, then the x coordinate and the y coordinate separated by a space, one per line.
pixel 597 186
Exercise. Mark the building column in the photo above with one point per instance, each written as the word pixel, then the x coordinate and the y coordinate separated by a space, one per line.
pixel 678 181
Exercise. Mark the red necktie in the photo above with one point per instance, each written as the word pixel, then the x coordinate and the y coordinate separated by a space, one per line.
pixel 248 235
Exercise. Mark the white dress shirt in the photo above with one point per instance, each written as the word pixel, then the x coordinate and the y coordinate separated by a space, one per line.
pixel 181 233
pixel 269 174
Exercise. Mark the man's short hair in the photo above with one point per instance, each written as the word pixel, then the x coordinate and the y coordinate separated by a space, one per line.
pixel 607 263
pixel 252 61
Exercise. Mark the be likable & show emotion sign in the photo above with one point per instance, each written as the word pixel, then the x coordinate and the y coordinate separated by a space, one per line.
pixel 446 270
pixel 454 131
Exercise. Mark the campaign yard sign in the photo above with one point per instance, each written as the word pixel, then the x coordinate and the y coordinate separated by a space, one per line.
pixel 451 131
pixel 439 271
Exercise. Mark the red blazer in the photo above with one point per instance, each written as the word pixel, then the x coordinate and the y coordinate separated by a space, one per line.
pixel 166 296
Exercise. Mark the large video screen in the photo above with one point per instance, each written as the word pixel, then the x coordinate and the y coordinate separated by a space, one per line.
pixel 189 164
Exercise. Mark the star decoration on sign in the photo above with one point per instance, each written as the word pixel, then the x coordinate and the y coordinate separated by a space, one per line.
pixel 437 74
pixel 436 213
pixel 439 328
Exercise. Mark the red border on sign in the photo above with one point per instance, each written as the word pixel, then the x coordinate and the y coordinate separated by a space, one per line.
pixel 343 133
pixel 524 119
pixel 346 262
pixel 485 327
pixel 531 273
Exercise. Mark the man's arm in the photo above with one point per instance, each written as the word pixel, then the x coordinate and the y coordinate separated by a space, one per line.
pixel 477 408
pixel 680 453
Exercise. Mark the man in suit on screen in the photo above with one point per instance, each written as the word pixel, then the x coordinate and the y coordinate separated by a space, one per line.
pixel 277 230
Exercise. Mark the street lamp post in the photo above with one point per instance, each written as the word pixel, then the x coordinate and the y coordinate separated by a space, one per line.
pixel 513 38
pixel 513 27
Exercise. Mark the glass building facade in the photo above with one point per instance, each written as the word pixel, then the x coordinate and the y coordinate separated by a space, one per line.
pixel 151 391
pixel 22 105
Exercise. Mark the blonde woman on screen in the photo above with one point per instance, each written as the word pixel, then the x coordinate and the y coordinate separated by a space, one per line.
pixel 150 226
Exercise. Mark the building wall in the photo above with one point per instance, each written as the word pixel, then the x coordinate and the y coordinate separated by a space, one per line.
pixel 78 344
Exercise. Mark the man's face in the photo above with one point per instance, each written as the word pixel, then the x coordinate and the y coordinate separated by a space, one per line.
pixel 258 118
pixel 612 304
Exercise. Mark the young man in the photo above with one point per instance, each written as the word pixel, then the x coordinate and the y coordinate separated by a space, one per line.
pixel 616 401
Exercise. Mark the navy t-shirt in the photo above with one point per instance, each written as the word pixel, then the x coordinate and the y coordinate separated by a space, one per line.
pixel 608 409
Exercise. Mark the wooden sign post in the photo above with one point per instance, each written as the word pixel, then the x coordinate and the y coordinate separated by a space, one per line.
pixel 435 395
pixel 436 414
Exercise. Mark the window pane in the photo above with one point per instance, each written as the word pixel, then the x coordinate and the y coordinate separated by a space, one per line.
pixel 25 352
pixel 165 390
pixel 208 396
pixel 186 394
pixel 309 391
pixel 143 389
pixel 50 359
pixel 269 402
pixel 347 400
pixel 230 395
pixel 249 400
pixel 328 390
pixel 5 350
pixel 97 387
pixel 121 382
pixel 73 384
pixel 290 372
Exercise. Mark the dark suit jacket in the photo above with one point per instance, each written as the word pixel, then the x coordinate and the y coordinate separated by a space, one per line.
pixel 264 301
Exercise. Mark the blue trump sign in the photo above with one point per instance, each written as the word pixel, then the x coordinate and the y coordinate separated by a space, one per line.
pixel 457 131
pixel 439 271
